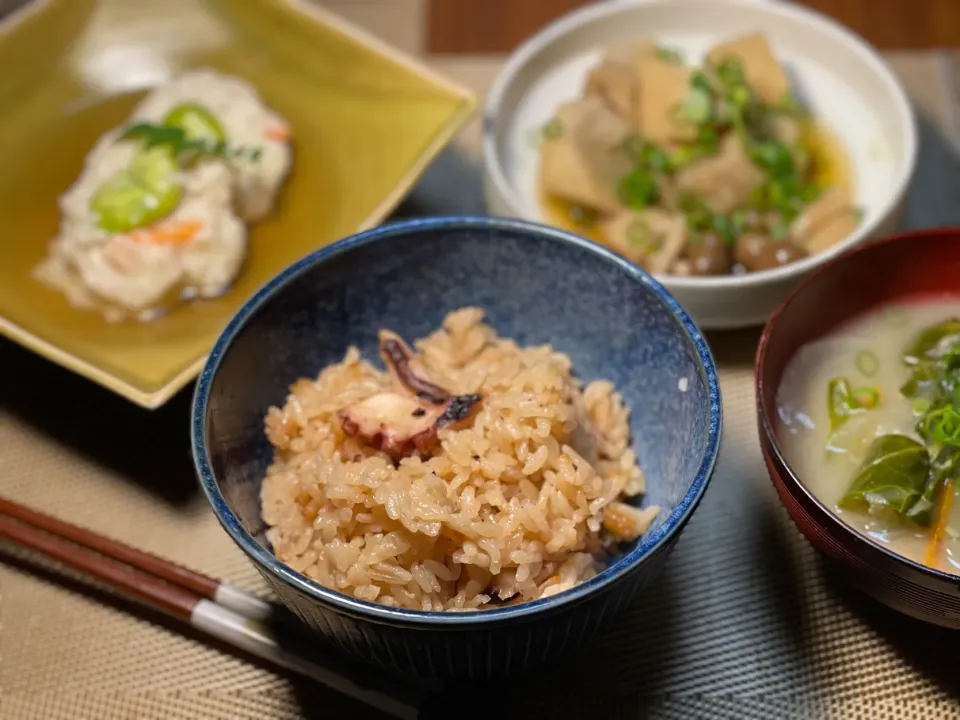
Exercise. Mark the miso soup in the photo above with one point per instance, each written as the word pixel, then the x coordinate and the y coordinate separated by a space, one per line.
pixel 870 423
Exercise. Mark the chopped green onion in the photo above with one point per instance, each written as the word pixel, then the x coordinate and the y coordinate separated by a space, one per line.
pixel 791 106
pixel 779 229
pixel 810 192
pixel 553 129
pixel 695 211
pixel 740 96
pixel 697 106
pixel 740 219
pixel 669 56
pixel 637 189
pixel 943 425
pixel 730 72
pixel 920 405
pixel 867 362
pixel 866 397
pixel 656 159
pixel 772 156
pixel 724 228
pixel 708 139
pixel 683 156
pixel 699 81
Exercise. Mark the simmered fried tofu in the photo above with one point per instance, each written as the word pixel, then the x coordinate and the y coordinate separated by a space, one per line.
pixel 826 221
pixel 833 231
pixel 615 78
pixel 616 84
pixel 652 238
pixel 764 72
pixel 585 161
pixel 662 89
pixel 630 52
pixel 724 180
pixel 832 201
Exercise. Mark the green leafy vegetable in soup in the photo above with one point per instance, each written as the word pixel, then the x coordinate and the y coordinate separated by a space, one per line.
pixel 906 476
pixel 891 465
pixel 944 470
pixel 893 475
pixel 845 401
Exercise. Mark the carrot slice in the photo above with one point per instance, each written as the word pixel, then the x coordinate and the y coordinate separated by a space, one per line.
pixel 280 133
pixel 940 525
pixel 171 233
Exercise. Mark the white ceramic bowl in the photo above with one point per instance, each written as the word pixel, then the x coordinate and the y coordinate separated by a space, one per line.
pixel 844 82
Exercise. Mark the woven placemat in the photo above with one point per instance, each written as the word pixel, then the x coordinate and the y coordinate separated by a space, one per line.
pixel 745 623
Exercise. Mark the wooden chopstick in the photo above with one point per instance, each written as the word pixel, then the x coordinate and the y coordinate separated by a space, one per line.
pixel 170 598
pixel 251 624
pixel 230 596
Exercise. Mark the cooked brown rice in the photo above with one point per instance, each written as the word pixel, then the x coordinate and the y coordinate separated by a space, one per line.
pixel 520 501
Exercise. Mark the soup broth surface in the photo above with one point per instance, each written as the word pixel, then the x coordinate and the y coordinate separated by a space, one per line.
pixel 828 463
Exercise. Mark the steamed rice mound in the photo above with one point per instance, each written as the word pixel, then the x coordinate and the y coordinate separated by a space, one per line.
pixel 520 501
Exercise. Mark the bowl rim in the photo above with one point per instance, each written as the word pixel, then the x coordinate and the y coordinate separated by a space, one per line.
pixel 767 425
pixel 649 545
pixel 797 13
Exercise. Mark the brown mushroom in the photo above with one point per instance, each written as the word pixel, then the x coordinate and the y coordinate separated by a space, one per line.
pixel 405 422
pixel 748 248
pixel 777 254
pixel 758 252
pixel 709 255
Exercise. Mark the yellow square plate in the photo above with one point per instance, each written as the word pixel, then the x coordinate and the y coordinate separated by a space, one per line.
pixel 366 121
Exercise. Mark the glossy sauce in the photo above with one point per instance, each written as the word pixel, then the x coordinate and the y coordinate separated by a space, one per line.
pixel 805 421
pixel 831 166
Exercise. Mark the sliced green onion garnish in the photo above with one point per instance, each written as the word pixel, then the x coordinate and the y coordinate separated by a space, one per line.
pixel 866 397
pixel 655 158
pixel 772 156
pixel 697 106
pixel 724 227
pixel 731 71
pixel 669 56
pixel 779 230
pixel 553 129
pixel 637 189
pixel 740 96
pixel 683 156
pixel 943 425
pixel 867 362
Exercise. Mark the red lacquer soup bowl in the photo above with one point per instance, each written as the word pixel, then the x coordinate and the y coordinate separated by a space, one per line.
pixel 895 269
